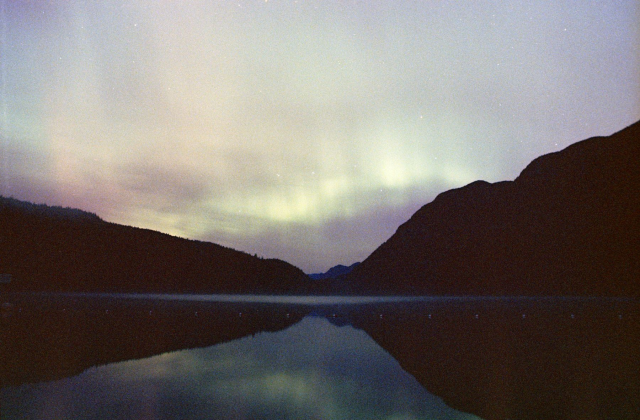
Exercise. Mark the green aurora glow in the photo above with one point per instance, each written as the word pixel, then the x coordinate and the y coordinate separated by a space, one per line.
pixel 302 130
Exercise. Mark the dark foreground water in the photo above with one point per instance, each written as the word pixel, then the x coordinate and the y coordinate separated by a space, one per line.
pixel 224 357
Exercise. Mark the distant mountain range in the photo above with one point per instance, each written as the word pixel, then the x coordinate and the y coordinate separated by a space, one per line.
pixel 334 272
pixel 568 225
pixel 59 249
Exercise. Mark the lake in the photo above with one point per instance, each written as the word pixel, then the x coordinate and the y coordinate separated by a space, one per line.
pixel 109 356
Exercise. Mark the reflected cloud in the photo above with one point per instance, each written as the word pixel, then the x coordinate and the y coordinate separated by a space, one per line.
pixel 471 352
pixel 311 370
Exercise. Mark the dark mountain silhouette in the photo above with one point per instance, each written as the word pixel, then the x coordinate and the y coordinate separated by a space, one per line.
pixel 58 249
pixel 568 225
pixel 333 272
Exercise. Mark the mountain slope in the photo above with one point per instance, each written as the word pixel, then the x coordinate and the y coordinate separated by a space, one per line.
pixel 334 272
pixel 57 249
pixel 568 225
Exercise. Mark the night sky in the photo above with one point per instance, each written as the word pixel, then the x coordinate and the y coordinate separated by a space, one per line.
pixel 301 130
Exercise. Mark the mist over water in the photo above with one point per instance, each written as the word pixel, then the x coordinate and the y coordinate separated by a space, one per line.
pixel 334 300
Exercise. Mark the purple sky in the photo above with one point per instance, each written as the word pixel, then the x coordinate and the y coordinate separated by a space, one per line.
pixel 301 130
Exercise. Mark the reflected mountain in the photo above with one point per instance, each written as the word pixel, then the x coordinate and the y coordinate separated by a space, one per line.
pixel 50 338
pixel 312 369
pixel 516 358
pixel 523 360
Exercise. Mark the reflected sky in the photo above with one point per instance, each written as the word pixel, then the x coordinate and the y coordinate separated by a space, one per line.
pixel 313 370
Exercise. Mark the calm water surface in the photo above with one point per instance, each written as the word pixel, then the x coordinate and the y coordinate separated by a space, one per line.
pixel 251 357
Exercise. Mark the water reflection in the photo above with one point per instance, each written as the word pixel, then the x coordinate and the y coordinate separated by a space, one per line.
pixel 498 359
pixel 313 369
pixel 547 359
